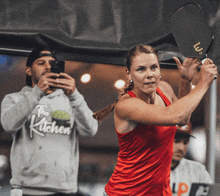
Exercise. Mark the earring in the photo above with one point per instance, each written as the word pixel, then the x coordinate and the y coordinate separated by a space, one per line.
pixel 160 76
pixel 131 81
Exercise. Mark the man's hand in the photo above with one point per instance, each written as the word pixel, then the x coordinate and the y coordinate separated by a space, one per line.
pixel 67 83
pixel 46 81
pixel 188 68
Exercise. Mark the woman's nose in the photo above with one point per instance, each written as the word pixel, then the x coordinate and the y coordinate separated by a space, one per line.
pixel 149 74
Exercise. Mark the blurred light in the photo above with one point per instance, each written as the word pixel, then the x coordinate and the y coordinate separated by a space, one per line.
pixel 85 78
pixel 92 189
pixel 119 84
pixel 197 146
pixel 218 142
pixel 3 161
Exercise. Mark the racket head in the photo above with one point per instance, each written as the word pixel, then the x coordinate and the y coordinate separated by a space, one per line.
pixel 190 31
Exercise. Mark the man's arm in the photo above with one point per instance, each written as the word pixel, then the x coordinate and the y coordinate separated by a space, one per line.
pixel 204 175
pixel 86 125
pixel 16 107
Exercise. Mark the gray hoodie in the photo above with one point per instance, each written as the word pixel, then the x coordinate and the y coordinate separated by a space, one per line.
pixel 45 154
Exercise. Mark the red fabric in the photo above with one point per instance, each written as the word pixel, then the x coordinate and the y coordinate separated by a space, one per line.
pixel 143 165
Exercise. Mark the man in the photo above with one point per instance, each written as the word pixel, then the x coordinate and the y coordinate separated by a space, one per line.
pixel 185 172
pixel 45 118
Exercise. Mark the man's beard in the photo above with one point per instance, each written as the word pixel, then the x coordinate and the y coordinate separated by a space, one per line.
pixel 174 164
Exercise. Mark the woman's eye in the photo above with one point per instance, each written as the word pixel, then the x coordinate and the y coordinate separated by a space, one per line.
pixel 140 69
pixel 154 67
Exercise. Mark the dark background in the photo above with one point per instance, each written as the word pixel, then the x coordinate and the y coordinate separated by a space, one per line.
pixel 97 31
pixel 93 36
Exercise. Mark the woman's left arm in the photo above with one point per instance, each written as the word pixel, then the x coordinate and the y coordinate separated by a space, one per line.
pixel 187 70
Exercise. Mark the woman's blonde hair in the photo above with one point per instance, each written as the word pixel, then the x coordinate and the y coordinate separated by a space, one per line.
pixel 132 53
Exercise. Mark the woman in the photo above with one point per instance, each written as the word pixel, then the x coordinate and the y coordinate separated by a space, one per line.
pixel 145 118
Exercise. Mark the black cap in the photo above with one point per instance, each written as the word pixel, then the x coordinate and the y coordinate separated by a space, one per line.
pixel 37 53
pixel 184 131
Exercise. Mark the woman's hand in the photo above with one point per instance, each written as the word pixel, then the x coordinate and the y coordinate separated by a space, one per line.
pixel 208 71
pixel 188 68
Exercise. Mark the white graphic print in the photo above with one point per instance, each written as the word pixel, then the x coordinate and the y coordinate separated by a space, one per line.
pixel 42 122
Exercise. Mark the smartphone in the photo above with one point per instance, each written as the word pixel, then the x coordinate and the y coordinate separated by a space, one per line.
pixel 57 66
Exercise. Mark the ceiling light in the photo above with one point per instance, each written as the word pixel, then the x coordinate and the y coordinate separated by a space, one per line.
pixel 85 78
pixel 119 84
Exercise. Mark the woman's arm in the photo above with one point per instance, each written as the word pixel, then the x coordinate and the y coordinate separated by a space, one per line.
pixel 187 70
pixel 134 109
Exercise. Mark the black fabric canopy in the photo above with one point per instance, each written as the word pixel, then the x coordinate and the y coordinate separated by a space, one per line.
pixel 98 31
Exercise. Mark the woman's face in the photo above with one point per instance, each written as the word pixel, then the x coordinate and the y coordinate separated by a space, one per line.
pixel 145 73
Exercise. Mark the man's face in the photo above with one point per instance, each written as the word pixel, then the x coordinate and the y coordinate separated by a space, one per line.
pixel 39 67
pixel 180 146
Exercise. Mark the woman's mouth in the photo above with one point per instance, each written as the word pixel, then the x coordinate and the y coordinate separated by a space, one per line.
pixel 147 83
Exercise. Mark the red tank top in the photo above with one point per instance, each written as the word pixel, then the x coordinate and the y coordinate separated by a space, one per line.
pixel 144 158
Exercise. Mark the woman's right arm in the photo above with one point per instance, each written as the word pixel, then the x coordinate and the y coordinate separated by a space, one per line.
pixel 134 109
pixel 16 107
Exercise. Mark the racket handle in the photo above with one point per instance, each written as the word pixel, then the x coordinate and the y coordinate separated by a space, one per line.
pixel 203 62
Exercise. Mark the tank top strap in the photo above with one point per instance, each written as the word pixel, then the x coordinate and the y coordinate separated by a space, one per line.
pixel 165 99
pixel 131 94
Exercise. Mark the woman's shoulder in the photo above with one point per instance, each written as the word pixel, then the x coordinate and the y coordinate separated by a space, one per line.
pixel 122 111
pixel 125 101
pixel 167 90
pixel 124 97
pixel 163 85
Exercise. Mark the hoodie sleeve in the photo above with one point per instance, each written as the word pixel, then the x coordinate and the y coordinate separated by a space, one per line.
pixel 204 175
pixel 85 124
pixel 16 107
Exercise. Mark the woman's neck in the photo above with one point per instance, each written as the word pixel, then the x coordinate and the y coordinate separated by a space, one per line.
pixel 148 98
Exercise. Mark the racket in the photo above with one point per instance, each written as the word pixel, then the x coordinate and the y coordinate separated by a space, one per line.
pixel 191 32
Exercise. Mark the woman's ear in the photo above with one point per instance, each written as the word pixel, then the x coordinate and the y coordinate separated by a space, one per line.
pixel 128 74
pixel 28 71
